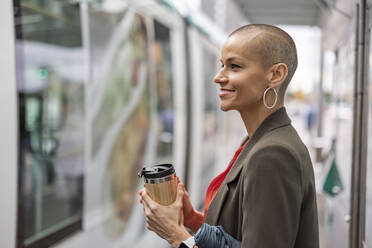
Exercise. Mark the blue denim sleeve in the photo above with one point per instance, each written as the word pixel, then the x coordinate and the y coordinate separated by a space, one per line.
pixel 215 237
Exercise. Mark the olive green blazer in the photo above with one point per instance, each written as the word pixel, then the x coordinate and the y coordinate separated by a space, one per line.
pixel 268 199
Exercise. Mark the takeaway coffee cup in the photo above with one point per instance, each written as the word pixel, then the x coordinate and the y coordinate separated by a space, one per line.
pixel 161 183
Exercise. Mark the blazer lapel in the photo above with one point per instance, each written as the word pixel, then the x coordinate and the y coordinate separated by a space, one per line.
pixel 277 119
pixel 214 212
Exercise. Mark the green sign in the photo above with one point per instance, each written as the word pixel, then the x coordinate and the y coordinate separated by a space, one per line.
pixel 333 184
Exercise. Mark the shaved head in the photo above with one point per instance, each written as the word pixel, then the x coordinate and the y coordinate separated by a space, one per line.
pixel 272 45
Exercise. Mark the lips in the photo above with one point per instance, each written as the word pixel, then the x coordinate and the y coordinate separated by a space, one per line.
pixel 226 92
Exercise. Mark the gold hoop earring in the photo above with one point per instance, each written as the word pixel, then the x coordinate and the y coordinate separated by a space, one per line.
pixel 264 98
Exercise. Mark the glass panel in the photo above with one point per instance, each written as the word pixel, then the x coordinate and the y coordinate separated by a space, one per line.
pixel 119 118
pixel 130 119
pixel 51 97
pixel 337 204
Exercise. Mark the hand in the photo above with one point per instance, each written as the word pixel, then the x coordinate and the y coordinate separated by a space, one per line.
pixel 192 219
pixel 165 221
pixel 187 206
pixel 188 209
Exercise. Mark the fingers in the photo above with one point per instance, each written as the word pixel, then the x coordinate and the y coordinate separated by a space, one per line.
pixel 186 198
pixel 180 199
pixel 182 186
pixel 179 193
pixel 184 190
pixel 148 209
pixel 140 193
pixel 148 201
pixel 180 218
pixel 180 190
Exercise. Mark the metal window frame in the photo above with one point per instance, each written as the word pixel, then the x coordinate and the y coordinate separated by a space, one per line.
pixel 360 129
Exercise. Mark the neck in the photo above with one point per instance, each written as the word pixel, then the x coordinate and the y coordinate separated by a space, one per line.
pixel 253 117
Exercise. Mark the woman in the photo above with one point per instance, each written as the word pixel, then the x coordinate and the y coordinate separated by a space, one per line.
pixel 266 197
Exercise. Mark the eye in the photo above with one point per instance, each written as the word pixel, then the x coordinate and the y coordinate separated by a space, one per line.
pixel 222 65
pixel 235 66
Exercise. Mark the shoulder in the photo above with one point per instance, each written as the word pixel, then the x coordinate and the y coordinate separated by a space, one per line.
pixel 275 157
pixel 273 171
pixel 284 142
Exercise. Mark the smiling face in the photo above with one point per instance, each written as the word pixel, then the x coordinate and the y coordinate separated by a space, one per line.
pixel 242 77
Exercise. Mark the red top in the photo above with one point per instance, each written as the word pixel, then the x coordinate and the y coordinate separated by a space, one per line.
pixel 216 183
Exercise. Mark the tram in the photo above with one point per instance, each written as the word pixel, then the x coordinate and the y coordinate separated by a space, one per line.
pixel 102 92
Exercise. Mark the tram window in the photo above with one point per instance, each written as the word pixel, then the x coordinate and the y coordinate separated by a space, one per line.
pixel 118 120
pixel 51 113
pixel 164 86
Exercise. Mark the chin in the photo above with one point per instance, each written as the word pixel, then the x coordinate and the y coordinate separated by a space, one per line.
pixel 225 108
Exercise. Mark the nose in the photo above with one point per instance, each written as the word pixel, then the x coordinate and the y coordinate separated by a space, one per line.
pixel 220 78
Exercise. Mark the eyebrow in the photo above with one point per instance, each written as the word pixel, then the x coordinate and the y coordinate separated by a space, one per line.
pixel 232 58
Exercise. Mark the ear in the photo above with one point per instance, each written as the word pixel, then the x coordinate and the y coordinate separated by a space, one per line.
pixel 277 74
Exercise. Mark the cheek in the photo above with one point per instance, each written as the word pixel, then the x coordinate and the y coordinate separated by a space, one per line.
pixel 260 83
pixel 253 87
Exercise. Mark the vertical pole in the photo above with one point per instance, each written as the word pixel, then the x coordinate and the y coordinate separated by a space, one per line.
pixel 85 30
pixel 353 227
pixel 337 100
pixel 319 145
pixel 188 100
pixel 360 131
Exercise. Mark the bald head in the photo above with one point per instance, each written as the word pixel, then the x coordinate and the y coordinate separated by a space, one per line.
pixel 272 45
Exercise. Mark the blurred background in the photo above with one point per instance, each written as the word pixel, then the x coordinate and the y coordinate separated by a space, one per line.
pixel 93 90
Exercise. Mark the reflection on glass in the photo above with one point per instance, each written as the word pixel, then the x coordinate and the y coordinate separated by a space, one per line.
pixel 119 116
pixel 125 161
pixel 51 100
pixel 121 75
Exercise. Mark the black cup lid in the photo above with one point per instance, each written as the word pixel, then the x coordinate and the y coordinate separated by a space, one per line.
pixel 157 171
